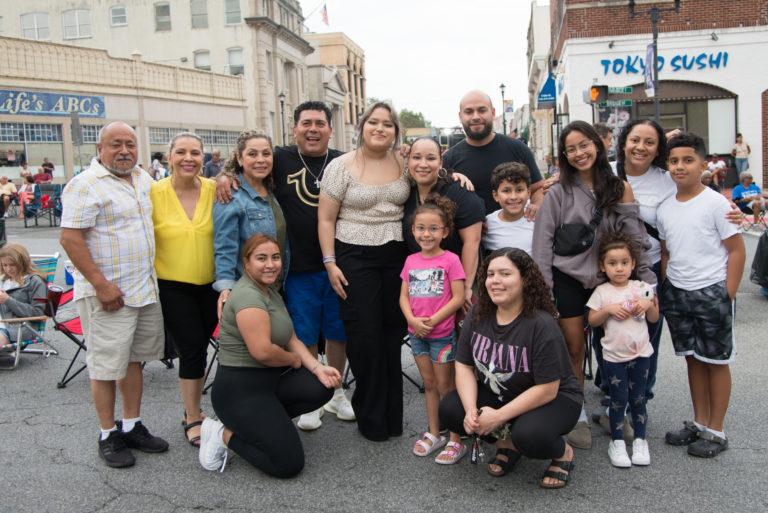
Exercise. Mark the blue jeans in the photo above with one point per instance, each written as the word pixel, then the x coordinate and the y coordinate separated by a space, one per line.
pixel 742 165
pixel 627 384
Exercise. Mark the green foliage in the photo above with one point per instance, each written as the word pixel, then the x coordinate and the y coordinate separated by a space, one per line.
pixel 410 119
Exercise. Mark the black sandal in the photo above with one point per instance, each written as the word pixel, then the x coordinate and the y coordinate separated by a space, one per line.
pixel 513 457
pixel 563 477
pixel 195 440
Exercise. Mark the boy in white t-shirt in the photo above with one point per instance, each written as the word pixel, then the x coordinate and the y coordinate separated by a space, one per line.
pixel 702 258
pixel 508 227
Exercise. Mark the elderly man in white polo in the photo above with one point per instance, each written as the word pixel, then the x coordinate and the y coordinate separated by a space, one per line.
pixel 107 234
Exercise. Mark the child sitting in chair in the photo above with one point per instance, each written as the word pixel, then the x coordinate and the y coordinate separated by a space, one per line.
pixel 21 290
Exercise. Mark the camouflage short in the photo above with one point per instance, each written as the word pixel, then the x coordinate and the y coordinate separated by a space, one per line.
pixel 700 322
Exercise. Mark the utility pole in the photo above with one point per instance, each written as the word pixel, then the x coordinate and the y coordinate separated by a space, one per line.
pixel 655 14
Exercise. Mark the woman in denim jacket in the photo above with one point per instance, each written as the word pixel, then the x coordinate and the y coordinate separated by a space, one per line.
pixel 21 290
pixel 253 209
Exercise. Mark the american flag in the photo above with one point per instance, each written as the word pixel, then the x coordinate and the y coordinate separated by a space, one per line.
pixel 324 13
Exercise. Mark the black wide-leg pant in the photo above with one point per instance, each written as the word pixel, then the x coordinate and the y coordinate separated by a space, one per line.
pixel 375 327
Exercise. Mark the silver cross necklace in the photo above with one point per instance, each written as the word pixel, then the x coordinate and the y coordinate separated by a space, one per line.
pixel 318 177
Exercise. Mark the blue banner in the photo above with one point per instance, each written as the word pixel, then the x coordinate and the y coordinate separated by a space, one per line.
pixel 546 96
pixel 50 104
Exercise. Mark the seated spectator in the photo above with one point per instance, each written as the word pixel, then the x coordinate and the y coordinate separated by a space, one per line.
pixel 514 383
pixel 42 176
pixel 7 192
pixel 26 194
pixel 717 167
pixel 25 172
pixel 747 195
pixel 707 179
pixel 20 286
pixel 48 166
pixel 266 374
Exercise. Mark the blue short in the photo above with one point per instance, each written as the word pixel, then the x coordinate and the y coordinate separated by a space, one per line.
pixel 314 307
pixel 7 334
pixel 440 350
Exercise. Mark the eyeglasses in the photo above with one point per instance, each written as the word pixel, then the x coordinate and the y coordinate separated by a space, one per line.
pixel 582 146
pixel 434 230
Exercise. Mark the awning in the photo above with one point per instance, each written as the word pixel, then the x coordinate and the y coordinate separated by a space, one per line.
pixel 546 98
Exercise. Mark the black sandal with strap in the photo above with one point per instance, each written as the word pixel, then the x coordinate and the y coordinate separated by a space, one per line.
pixel 513 457
pixel 195 440
pixel 563 477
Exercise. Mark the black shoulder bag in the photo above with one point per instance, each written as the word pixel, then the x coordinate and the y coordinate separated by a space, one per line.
pixel 575 238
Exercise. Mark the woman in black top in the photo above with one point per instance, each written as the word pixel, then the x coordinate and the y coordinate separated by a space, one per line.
pixel 425 168
pixel 514 383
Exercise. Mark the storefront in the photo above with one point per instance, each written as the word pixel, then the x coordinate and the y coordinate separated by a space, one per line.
pixel 711 83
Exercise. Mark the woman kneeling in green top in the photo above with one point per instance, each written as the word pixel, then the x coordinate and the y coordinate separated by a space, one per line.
pixel 266 375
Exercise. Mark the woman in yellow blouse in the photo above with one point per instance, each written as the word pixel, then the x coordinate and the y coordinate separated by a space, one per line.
pixel 182 212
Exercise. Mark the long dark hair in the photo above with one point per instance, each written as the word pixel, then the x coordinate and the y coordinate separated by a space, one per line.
pixel 233 166
pixel 607 187
pixel 659 161
pixel 536 295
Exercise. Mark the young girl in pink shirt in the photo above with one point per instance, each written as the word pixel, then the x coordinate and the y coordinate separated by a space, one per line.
pixel 431 293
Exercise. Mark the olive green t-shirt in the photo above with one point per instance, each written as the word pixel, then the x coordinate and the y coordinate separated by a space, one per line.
pixel 232 349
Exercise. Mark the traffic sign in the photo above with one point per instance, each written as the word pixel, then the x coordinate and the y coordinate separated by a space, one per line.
pixel 616 103
pixel 620 90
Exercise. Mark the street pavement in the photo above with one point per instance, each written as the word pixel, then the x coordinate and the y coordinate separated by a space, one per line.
pixel 49 461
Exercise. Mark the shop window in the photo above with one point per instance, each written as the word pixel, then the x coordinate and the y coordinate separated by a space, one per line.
pixel 118 15
pixel 232 11
pixel 76 23
pixel 203 60
pixel 235 60
pixel 199 10
pixel 34 25
pixel 31 143
pixel 163 16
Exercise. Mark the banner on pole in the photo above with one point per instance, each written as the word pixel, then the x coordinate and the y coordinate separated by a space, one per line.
pixel 650 91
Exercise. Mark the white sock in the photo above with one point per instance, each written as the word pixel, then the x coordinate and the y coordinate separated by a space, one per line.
pixel 721 434
pixel 128 424
pixel 105 432
pixel 699 426
pixel 338 392
pixel 583 414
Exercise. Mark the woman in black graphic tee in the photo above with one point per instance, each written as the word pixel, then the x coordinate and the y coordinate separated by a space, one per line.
pixel 514 384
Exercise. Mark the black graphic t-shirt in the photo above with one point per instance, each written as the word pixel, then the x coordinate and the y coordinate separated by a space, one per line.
pixel 297 190
pixel 510 359
pixel 478 162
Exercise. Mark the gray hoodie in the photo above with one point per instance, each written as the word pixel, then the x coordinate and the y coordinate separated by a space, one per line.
pixel 576 205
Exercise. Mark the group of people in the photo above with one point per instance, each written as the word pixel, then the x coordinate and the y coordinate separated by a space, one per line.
pixel 295 245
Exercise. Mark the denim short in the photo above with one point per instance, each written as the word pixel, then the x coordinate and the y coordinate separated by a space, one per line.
pixel 7 334
pixel 440 350
pixel 314 307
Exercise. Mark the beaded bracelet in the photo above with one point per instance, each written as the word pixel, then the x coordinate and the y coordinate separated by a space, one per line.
pixel 329 259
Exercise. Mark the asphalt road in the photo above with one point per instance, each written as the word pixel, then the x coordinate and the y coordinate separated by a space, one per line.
pixel 49 461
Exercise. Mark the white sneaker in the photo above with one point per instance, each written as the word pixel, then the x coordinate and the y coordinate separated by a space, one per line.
pixel 213 452
pixel 311 421
pixel 341 406
pixel 617 452
pixel 640 453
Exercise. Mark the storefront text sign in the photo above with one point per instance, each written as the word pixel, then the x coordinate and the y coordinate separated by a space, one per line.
pixel 50 104
pixel 634 64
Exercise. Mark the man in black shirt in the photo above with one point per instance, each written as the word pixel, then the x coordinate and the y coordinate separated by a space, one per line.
pixel 310 299
pixel 483 149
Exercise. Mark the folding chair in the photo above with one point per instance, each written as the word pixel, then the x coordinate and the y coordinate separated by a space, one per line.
pixel 214 343
pixel 757 222
pixel 73 330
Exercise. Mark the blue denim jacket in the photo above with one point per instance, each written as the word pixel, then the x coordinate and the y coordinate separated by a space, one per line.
pixel 233 224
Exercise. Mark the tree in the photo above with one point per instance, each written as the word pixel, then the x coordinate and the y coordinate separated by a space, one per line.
pixel 411 119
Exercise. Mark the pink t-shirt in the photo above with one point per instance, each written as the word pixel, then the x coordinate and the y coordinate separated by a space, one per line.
pixel 429 286
pixel 623 340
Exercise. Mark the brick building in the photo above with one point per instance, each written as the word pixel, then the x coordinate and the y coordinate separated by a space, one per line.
pixel 712 80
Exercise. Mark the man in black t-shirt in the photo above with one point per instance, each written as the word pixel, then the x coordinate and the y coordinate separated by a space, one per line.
pixel 482 150
pixel 309 297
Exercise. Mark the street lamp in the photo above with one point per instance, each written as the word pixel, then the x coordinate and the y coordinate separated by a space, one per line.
pixel 503 108
pixel 655 13
pixel 281 96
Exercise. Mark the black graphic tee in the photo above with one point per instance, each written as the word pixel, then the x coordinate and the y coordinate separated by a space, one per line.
pixel 478 162
pixel 297 190
pixel 510 359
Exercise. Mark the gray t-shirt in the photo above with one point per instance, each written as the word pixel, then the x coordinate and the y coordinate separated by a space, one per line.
pixel 232 349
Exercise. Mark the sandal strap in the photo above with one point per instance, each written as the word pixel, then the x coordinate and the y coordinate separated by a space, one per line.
pixel 564 465
pixel 512 455
pixel 191 425
pixel 453 448
pixel 429 436
pixel 560 476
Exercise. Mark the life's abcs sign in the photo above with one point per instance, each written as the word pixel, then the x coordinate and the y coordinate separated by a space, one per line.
pixel 50 104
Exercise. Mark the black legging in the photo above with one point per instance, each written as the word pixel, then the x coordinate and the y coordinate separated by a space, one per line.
pixel 257 406
pixel 375 327
pixel 189 313
pixel 536 434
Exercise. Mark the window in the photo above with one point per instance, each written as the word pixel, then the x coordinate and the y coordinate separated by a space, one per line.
pixel 163 16
pixel 235 59
pixel 199 13
pixel 269 67
pixel 118 16
pixel 34 25
pixel 76 23
pixel 203 60
pixel 232 11
pixel 90 133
